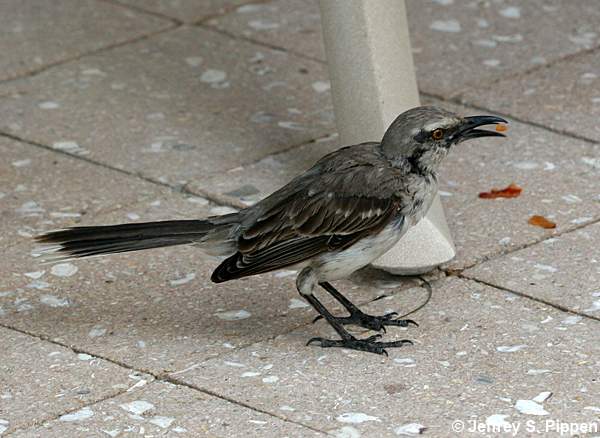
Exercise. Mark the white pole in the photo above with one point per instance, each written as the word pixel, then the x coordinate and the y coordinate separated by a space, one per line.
pixel 372 81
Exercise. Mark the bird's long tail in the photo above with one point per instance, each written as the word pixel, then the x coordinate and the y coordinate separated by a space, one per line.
pixel 100 240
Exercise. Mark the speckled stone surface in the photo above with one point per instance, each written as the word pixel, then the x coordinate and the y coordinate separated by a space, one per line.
pixel 556 183
pixel 188 11
pixel 215 108
pixel 564 96
pixel 456 44
pixel 564 270
pixel 37 34
pixel 472 360
pixel 163 409
pixel 39 381
pixel 257 180
pixel 177 107
pixel 295 26
pixel 41 190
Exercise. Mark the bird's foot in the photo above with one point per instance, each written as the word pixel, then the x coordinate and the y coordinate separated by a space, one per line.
pixel 377 323
pixel 369 344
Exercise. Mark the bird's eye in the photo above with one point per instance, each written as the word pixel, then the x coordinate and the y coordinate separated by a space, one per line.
pixel 437 134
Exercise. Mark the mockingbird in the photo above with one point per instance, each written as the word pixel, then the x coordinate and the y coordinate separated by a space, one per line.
pixel 347 210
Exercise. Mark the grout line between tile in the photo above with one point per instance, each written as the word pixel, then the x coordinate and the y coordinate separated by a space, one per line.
pixel 291 148
pixel 213 197
pixel 217 198
pixel 117 3
pixel 179 382
pixel 41 422
pixel 36 423
pixel 259 43
pixel 282 152
pixel 519 74
pixel 489 257
pixel 458 101
pixel 531 297
pixel 159 377
pixel 80 56
pixel 229 10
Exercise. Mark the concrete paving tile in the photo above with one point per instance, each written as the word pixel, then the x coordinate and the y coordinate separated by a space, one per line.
pixel 252 182
pixel 40 380
pixel 564 270
pixel 37 34
pixel 44 190
pixel 456 44
pixel 564 96
pixel 294 26
pixel 556 184
pixel 165 409
pixel 176 107
pixel 495 39
pixel 188 11
pixel 477 352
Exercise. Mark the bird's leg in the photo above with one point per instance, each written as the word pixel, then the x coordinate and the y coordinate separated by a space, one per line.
pixel 358 317
pixel 306 282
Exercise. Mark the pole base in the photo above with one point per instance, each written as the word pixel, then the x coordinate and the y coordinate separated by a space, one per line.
pixel 424 247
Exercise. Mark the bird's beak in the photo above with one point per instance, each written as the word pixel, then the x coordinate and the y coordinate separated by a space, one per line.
pixel 468 129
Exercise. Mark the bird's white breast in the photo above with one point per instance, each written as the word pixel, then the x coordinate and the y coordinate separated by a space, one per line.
pixel 416 203
pixel 338 265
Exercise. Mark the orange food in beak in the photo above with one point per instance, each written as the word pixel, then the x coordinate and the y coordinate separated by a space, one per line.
pixel 501 128
pixel 512 191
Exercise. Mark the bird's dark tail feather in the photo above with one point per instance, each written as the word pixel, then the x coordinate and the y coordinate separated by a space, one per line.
pixel 94 241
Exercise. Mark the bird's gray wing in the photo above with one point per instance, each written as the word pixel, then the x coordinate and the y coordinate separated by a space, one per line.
pixel 329 212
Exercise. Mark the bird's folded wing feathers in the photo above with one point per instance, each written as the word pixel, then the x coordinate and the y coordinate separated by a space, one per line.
pixel 331 213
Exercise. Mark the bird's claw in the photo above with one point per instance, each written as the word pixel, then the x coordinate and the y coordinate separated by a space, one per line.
pixel 387 320
pixel 371 322
pixel 369 344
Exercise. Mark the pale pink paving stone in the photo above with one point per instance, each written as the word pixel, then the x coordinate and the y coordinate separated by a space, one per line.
pixel 294 26
pixel 164 409
pixel 40 380
pixel 477 351
pixel 564 96
pixel 188 11
pixel 256 181
pixel 42 190
pixel 177 107
pixel 38 34
pixel 456 44
pixel 564 270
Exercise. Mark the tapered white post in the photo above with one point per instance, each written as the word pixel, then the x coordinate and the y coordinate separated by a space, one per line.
pixel 372 81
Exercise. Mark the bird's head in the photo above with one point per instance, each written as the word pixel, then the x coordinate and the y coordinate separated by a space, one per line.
pixel 424 135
